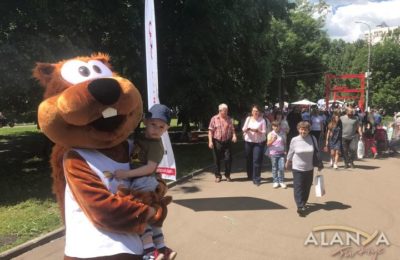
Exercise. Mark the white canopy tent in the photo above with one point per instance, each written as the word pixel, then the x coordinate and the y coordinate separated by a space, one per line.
pixel 285 104
pixel 304 102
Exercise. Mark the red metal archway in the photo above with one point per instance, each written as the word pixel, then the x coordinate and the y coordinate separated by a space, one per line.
pixel 335 92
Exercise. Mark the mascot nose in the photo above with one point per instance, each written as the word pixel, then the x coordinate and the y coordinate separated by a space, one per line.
pixel 106 90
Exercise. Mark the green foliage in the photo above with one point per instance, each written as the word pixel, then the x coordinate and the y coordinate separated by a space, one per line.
pixel 213 52
pixel 207 49
pixel 299 43
pixel 386 75
pixel 387 95
pixel 347 58
pixel 32 31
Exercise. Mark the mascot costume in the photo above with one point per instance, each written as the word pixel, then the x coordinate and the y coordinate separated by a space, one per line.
pixel 89 111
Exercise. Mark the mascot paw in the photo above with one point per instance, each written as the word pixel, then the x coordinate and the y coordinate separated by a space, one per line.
pixel 166 200
pixel 162 212
pixel 159 217
pixel 162 187
pixel 146 197
pixel 123 191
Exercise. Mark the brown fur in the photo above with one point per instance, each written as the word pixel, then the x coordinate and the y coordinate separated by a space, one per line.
pixel 58 176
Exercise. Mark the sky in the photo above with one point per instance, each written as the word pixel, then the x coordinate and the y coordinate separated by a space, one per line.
pixel 340 20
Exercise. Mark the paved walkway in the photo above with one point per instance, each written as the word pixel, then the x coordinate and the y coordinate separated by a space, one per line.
pixel 239 220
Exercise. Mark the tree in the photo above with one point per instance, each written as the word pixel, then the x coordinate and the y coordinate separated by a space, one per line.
pixel 386 75
pixel 32 31
pixel 300 43
pixel 209 51
pixel 213 52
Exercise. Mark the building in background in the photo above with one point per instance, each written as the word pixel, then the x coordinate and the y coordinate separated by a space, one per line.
pixel 380 33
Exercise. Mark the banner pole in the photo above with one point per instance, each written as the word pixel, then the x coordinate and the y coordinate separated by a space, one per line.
pixel 167 167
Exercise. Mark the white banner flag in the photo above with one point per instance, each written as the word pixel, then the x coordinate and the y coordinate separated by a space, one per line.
pixel 167 166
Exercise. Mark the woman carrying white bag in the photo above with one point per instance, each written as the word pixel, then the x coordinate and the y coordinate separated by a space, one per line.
pixel 302 156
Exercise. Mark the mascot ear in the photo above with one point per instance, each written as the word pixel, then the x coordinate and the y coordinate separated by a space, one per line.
pixel 43 72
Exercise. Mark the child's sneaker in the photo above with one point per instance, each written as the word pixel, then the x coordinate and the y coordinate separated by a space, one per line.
pixel 335 166
pixel 331 163
pixel 275 185
pixel 168 253
pixel 153 255
pixel 283 185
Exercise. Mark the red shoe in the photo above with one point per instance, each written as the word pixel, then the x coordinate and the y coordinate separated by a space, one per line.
pixel 168 253
pixel 153 255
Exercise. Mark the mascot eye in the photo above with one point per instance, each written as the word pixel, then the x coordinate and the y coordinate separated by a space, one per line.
pixel 97 69
pixel 77 71
pixel 84 71
pixel 100 68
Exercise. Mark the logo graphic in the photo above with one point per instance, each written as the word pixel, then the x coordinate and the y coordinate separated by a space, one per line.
pixel 348 242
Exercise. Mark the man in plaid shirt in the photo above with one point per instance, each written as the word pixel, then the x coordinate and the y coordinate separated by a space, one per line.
pixel 221 134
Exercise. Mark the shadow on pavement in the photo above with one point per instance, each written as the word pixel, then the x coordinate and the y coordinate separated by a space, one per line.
pixel 329 205
pixel 228 204
pixel 367 167
pixel 189 189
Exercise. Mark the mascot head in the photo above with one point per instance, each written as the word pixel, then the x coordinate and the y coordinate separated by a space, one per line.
pixel 86 104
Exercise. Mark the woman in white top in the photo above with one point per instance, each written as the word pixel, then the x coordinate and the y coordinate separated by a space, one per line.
pixel 254 133
pixel 300 159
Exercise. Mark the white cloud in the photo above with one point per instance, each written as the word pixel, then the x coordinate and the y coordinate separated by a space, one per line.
pixel 340 22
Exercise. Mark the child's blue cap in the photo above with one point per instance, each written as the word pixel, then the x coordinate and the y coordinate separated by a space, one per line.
pixel 161 112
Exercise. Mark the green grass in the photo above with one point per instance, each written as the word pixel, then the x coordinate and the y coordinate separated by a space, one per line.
pixel 27 205
pixel 26 220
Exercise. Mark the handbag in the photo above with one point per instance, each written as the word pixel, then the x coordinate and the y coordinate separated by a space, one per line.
pixel 317 162
pixel 319 186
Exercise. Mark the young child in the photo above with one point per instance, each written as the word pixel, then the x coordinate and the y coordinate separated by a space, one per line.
pixel 276 146
pixel 334 139
pixel 369 139
pixel 147 154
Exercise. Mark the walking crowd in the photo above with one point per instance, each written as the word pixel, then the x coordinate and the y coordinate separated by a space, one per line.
pixel 295 139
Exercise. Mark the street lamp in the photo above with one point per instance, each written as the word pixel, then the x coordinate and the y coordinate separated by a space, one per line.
pixel 369 63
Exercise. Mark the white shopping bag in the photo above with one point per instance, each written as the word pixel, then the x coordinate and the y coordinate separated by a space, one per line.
pixel 360 149
pixel 319 186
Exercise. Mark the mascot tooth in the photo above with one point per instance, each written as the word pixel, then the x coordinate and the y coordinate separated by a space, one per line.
pixel 109 112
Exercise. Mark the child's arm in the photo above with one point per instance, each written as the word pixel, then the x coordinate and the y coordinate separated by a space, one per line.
pixel 144 170
pixel 271 139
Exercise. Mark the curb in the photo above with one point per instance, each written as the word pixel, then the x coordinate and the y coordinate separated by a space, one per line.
pixel 41 240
